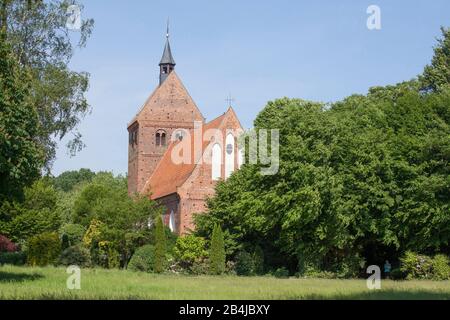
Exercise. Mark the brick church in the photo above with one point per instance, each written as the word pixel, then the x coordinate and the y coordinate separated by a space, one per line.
pixel 174 155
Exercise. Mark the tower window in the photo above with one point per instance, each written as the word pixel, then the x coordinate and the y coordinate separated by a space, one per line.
pixel 160 138
pixel 133 137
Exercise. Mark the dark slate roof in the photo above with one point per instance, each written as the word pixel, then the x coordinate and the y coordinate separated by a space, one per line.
pixel 167 57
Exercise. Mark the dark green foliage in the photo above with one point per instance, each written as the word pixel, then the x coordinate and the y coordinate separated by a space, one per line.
pixel 73 233
pixel 143 259
pixel 397 274
pixel 360 181
pixel 217 252
pixel 368 176
pixel 13 258
pixel 36 214
pixel 160 246
pixel 245 264
pixel 21 154
pixel 75 256
pixel 43 249
pixel 258 259
pixel 66 181
pixel 124 219
pixel 281 273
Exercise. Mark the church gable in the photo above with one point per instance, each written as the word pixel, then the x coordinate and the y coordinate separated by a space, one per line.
pixel 170 102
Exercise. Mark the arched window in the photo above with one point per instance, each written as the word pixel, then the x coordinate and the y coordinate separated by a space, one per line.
pixel 229 156
pixel 160 138
pixel 172 225
pixel 216 162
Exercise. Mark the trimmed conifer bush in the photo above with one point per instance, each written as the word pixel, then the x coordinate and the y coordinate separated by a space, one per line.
pixel 217 252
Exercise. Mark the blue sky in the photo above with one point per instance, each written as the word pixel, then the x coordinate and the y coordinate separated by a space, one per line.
pixel 256 50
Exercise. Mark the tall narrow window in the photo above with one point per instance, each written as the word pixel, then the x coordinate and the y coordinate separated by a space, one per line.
pixel 229 156
pixel 158 139
pixel 163 139
pixel 172 225
pixel 216 162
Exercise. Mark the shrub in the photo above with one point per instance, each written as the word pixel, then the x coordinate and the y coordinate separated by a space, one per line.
pixel 75 255
pixel 311 272
pixel 160 246
pixel 416 266
pixel 43 249
pixel 73 232
pixel 397 274
pixel 441 267
pixel 245 265
pixel 200 267
pixel 7 245
pixel 189 250
pixel 13 258
pixel 143 259
pixel 217 252
pixel 281 273
pixel 108 255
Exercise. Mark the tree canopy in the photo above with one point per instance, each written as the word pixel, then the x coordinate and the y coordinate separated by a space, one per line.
pixel 21 154
pixel 40 40
pixel 361 181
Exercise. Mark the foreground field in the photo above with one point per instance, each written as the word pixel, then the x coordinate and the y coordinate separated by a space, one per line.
pixel 50 283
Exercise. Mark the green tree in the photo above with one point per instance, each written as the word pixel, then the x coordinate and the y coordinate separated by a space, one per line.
pixel 437 74
pixel 160 246
pixel 41 41
pixel 367 178
pixel 190 250
pixel 124 219
pixel 67 180
pixel 36 214
pixel 21 154
pixel 217 252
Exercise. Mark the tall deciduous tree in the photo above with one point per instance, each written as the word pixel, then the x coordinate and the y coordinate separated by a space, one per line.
pixel 41 41
pixel 21 153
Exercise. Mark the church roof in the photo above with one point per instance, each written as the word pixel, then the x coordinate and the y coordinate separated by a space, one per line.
pixel 167 57
pixel 168 176
pixel 170 99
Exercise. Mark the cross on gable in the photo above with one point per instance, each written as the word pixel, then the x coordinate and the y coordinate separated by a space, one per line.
pixel 229 100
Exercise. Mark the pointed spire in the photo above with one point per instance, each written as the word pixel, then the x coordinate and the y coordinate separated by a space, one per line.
pixel 167 57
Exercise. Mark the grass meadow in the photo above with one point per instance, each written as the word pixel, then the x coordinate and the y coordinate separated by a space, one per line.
pixel 50 283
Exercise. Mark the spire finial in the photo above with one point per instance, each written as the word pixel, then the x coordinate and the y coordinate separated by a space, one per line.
pixel 168 24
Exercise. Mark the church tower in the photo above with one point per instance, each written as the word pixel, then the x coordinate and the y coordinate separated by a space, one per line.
pixel 166 114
